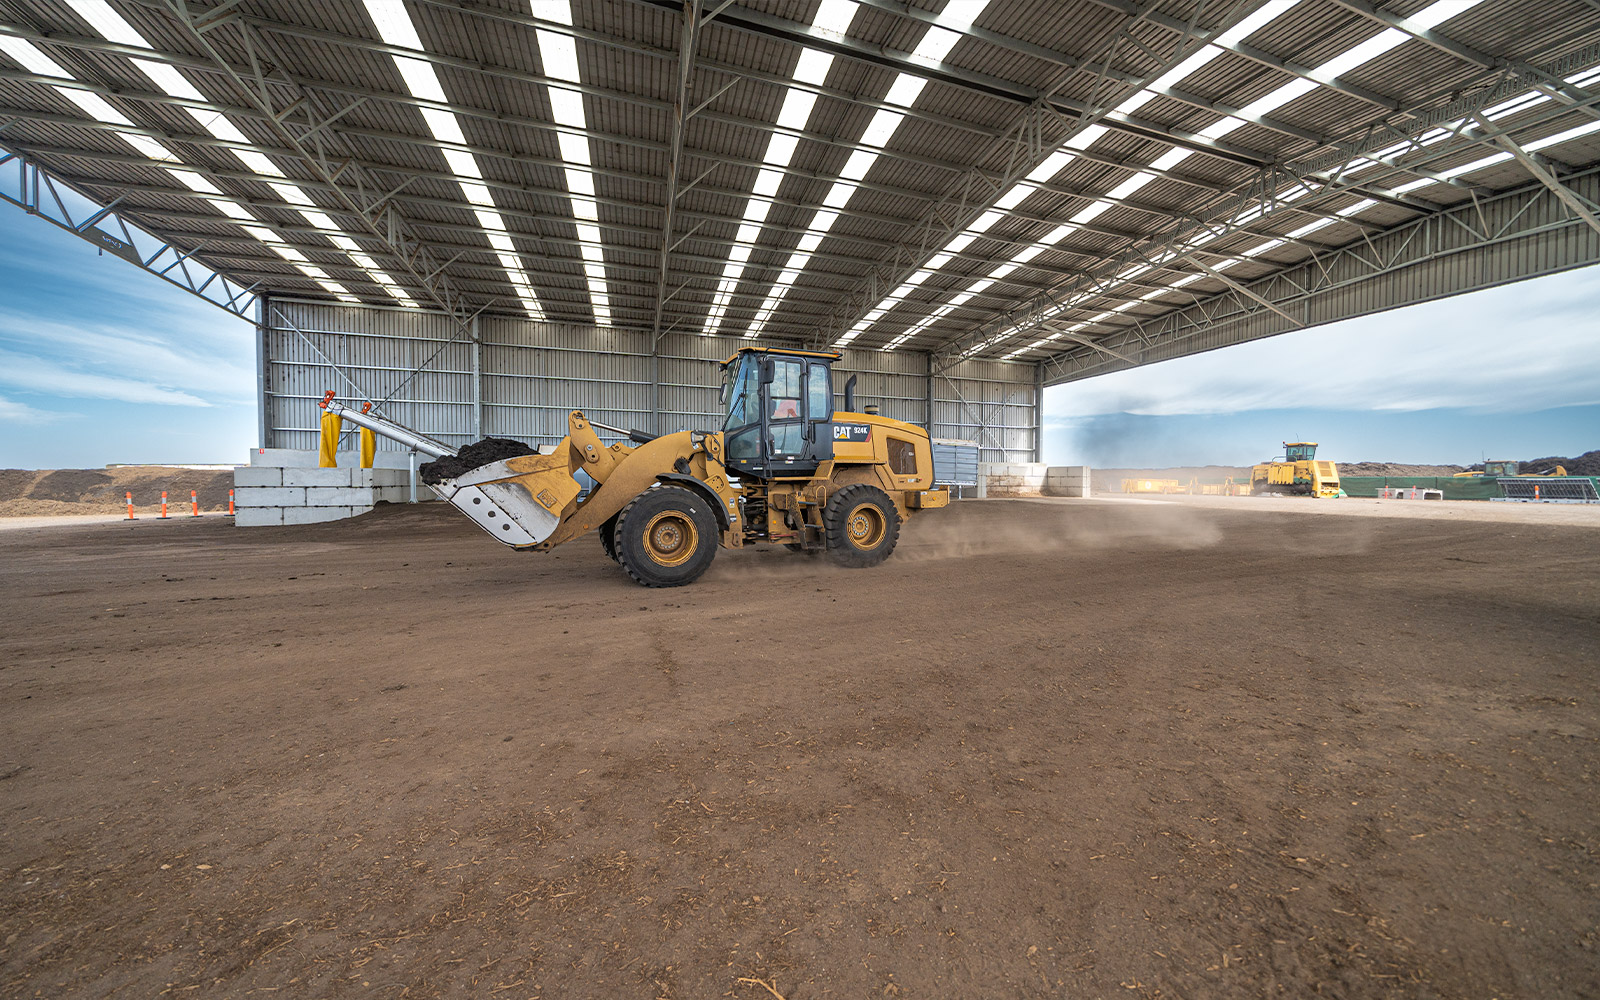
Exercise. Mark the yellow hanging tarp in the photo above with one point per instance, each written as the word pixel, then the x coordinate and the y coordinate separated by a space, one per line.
pixel 369 447
pixel 329 457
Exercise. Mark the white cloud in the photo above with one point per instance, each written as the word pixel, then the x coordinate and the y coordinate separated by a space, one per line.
pixel 1527 346
pixel 180 365
pixel 38 375
pixel 12 411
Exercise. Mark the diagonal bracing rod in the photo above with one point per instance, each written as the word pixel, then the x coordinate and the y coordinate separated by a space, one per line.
pixel 1532 165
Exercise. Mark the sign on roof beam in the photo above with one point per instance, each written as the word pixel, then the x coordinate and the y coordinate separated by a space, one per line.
pixel 41 194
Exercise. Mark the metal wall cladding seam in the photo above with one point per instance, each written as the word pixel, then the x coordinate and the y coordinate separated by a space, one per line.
pixel 533 374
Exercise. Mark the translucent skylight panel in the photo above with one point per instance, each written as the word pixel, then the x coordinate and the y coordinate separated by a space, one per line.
pixel 795 112
pixel 1087 136
pixel 1346 61
pixel 934 46
pixel 169 80
pixel 395 28
pixel 25 53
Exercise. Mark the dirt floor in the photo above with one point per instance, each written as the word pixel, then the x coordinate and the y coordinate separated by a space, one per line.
pixel 1077 749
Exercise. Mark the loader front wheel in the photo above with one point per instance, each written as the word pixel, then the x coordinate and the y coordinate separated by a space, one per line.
pixel 863 526
pixel 608 537
pixel 666 537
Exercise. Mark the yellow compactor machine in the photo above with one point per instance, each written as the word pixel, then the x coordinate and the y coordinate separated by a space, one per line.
pixel 786 467
pixel 1298 471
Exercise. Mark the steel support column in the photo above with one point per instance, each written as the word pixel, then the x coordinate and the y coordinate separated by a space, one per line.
pixel 1038 412
pixel 477 381
pixel 263 368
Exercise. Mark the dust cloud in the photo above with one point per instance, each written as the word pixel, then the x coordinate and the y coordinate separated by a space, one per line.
pixel 1054 528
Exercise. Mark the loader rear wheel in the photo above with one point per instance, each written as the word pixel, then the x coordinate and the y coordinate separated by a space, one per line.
pixel 666 537
pixel 863 526
pixel 608 538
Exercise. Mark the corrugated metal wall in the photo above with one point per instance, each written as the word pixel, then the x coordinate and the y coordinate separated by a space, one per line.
pixel 529 376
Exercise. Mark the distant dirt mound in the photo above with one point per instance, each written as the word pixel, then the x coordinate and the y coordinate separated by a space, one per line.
pixel 15 483
pixel 72 486
pixel 30 492
pixel 1397 469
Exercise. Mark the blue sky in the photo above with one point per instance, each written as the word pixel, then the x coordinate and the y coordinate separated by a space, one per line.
pixel 100 363
pixel 1509 372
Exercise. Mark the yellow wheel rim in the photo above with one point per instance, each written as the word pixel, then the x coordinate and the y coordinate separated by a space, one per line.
pixel 670 538
pixel 866 526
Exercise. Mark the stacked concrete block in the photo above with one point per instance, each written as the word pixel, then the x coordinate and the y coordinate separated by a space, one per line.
pixel 272 494
pixel 1066 481
pixel 1010 479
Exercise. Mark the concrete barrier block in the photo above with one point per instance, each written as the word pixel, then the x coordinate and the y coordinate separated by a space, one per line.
pixel 338 496
pixel 270 496
pixel 257 517
pixel 319 515
pixel 306 458
pixel 252 475
pixel 321 477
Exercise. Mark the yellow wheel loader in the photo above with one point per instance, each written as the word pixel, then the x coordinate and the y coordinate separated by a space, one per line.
pixel 785 468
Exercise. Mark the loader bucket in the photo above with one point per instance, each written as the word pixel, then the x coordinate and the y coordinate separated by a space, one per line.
pixel 519 501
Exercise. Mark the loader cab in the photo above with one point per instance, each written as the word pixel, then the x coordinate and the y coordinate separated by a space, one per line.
pixel 1502 468
pixel 1299 451
pixel 777 411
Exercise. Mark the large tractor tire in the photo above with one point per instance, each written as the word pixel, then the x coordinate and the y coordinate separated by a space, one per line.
pixel 666 537
pixel 863 526
pixel 608 538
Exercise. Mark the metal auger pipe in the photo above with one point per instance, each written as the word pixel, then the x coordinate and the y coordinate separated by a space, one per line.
pixel 392 430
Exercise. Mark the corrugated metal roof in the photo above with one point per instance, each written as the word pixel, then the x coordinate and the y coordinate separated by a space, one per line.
pixel 962 145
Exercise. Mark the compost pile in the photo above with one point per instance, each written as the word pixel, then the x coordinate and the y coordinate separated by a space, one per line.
pixel 474 456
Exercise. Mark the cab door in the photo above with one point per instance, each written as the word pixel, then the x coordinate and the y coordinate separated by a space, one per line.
pixel 819 413
pixel 785 427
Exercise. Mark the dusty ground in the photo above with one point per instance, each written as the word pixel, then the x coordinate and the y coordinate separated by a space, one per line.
pixel 1080 749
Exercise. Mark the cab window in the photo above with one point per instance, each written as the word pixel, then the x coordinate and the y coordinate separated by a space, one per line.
pixel 785 389
pixel 819 393
pixel 902 457
pixel 742 391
